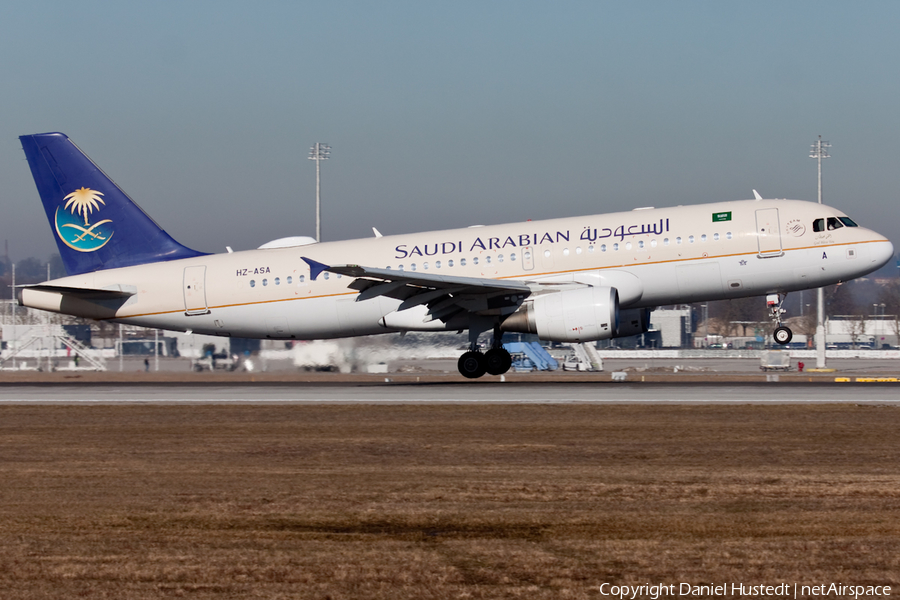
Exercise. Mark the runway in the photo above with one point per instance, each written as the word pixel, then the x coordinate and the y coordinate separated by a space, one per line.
pixel 425 393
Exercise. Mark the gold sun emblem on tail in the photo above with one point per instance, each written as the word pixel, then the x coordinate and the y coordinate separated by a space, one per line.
pixel 84 201
pixel 89 236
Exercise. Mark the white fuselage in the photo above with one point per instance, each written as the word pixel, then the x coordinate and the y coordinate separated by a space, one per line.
pixel 678 255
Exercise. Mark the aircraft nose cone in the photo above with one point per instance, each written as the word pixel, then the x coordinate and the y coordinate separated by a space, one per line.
pixel 882 253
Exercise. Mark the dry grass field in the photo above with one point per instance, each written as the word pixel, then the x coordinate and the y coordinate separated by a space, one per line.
pixel 448 501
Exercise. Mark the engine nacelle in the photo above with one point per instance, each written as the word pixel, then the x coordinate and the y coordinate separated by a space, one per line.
pixel 633 322
pixel 578 315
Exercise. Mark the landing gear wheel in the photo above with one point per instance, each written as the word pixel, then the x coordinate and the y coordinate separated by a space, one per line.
pixel 472 365
pixel 783 335
pixel 497 361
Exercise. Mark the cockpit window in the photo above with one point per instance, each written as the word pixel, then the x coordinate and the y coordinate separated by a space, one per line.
pixel 833 223
pixel 819 225
pixel 848 222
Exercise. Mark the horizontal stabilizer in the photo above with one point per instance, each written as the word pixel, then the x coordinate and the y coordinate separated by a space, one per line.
pixel 91 303
pixel 82 293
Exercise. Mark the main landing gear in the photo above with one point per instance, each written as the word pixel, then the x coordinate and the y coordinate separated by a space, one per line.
pixel 496 361
pixel 782 333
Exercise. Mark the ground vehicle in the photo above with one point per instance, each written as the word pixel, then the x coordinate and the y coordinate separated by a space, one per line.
pixel 775 360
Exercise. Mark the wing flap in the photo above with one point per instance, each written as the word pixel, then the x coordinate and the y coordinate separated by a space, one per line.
pixel 416 278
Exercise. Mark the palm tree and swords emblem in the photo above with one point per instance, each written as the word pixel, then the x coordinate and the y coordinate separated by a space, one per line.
pixel 90 236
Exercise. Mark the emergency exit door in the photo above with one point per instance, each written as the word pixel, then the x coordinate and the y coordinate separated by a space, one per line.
pixel 195 291
pixel 528 258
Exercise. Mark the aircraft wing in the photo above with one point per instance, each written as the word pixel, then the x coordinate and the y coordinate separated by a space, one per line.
pixel 444 295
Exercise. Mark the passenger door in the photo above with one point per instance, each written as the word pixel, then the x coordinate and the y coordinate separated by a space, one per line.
pixel 768 232
pixel 195 291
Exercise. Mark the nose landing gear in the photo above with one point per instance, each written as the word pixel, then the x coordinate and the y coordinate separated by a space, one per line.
pixel 782 333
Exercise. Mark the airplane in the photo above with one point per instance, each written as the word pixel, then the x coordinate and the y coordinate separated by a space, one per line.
pixel 577 279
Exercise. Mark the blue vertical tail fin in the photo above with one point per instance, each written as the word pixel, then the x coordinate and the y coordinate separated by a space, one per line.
pixel 96 225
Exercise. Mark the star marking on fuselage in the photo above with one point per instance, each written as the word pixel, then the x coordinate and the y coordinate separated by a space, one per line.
pixel 743 263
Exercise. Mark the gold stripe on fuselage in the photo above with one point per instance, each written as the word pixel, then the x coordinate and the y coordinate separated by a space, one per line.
pixel 529 276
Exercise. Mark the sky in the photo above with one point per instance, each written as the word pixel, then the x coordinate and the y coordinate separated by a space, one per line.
pixel 448 114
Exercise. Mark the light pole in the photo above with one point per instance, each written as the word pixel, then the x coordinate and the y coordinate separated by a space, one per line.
pixel 318 153
pixel 706 325
pixel 820 151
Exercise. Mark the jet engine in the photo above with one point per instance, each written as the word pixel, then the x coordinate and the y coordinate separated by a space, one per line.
pixel 574 315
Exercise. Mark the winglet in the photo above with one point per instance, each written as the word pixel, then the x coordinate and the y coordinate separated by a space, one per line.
pixel 756 195
pixel 315 268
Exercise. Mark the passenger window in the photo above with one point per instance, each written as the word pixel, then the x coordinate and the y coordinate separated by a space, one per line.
pixel 437 264
pixel 678 240
pixel 512 257
pixel 848 221
pixel 703 238
pixel 665 241
pixel 252 283
pixel 616 247
pixel 602 247
pixel 425 266
pixel 833 223
pixel 640 243
pixel 450 263
pixel 302 278
pixel 690 239
pixel 716 237
pixel 565 251
pixel 819 225
pixel 462 262
pixel 290 280
pixel 412 267
pixel 728 236
pixel 628 245
pixel 499 258
pixel 278 281
pixel 266 281
pixel 475 260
